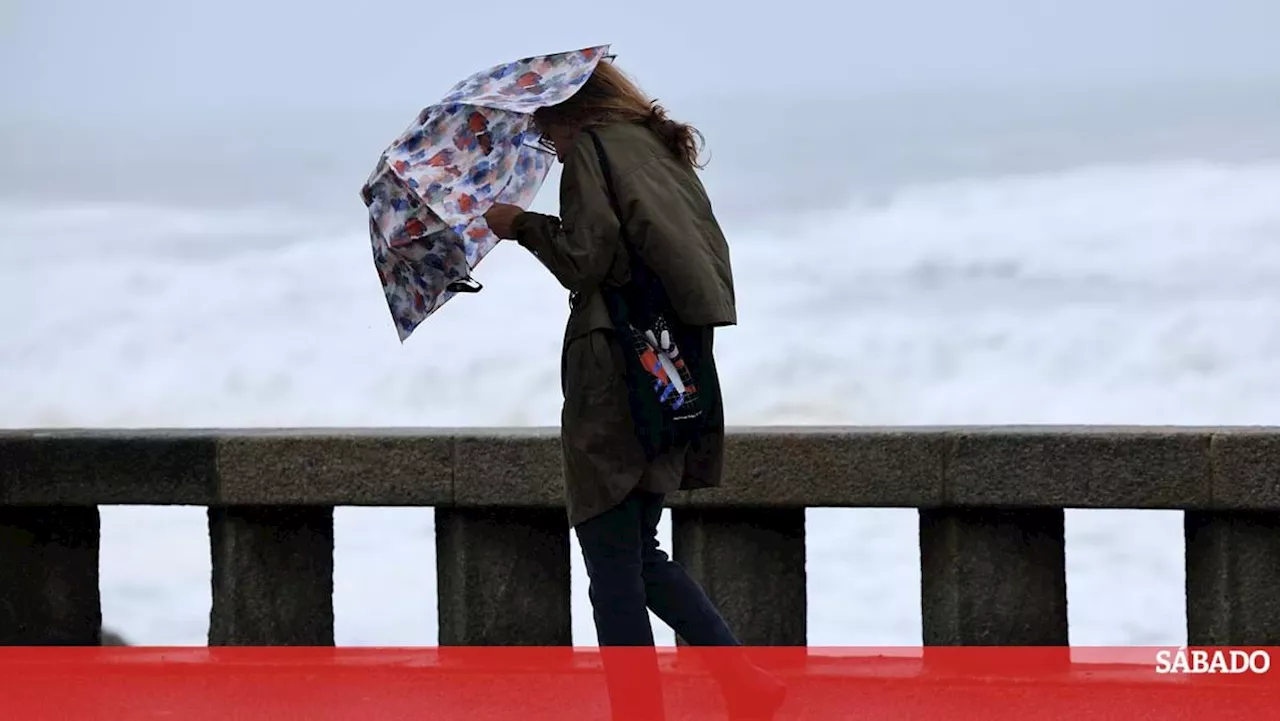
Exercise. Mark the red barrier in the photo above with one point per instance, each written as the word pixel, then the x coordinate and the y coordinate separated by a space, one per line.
pixel 479 684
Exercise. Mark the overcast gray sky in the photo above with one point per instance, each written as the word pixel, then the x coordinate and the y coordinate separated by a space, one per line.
pixel 107 57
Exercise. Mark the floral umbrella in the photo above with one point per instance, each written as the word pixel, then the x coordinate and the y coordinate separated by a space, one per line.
pixel 476 147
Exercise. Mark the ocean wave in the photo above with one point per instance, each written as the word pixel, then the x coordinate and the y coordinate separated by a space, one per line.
pixel 1102 294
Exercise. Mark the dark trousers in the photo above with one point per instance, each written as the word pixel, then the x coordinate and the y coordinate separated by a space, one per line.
pixel 630 574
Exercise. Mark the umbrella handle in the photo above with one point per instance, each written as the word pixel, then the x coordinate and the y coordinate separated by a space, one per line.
pixel 464 285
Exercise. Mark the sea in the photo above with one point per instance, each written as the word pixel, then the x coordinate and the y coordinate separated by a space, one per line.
pixel 1097 256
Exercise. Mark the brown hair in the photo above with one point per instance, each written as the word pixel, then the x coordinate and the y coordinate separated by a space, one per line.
pixel 610 96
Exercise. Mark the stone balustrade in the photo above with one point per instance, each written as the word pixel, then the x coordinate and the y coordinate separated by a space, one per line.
pixel 990 502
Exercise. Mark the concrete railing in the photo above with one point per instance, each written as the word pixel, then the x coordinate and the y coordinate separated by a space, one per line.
pixel 991 506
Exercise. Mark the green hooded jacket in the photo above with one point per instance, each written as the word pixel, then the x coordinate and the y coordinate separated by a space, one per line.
pixel 668 217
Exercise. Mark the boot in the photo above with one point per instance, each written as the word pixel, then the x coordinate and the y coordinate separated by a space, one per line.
pixel 750 693
pixel 756 699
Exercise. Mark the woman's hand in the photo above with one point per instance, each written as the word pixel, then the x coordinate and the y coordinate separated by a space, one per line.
pixel 501 219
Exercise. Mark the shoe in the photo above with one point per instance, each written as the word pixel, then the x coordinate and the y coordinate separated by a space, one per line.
pixel 761 703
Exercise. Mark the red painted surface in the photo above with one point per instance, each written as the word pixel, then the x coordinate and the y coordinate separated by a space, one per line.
pixel 363 684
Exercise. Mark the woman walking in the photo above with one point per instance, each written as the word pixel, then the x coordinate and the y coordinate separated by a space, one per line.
pixel 631 204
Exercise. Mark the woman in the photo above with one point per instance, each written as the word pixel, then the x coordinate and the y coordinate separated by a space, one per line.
pixel 614 490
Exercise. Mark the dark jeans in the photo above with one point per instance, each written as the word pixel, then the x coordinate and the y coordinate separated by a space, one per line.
pixel 630 574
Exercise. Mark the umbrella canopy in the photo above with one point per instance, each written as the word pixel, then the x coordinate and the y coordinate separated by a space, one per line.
pixel 476 147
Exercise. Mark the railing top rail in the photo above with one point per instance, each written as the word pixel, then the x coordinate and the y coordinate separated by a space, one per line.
pixel 1222 468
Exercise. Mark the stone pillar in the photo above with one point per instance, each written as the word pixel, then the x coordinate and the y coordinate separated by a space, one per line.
pixel 49 592
pixel 502 577
pixel 751 563
pixel 993 577
pixel 1233 578
pixel 272 576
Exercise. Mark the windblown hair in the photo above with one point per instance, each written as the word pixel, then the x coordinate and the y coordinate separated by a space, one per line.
pixel 610 96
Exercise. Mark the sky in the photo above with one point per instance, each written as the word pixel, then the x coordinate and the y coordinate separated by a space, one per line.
pixel 77 60
pixel 290 100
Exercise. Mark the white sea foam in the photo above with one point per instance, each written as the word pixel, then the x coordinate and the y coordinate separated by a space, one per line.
pixel 1125 294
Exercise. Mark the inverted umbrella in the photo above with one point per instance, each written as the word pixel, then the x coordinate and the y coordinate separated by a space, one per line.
pixel 476 147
